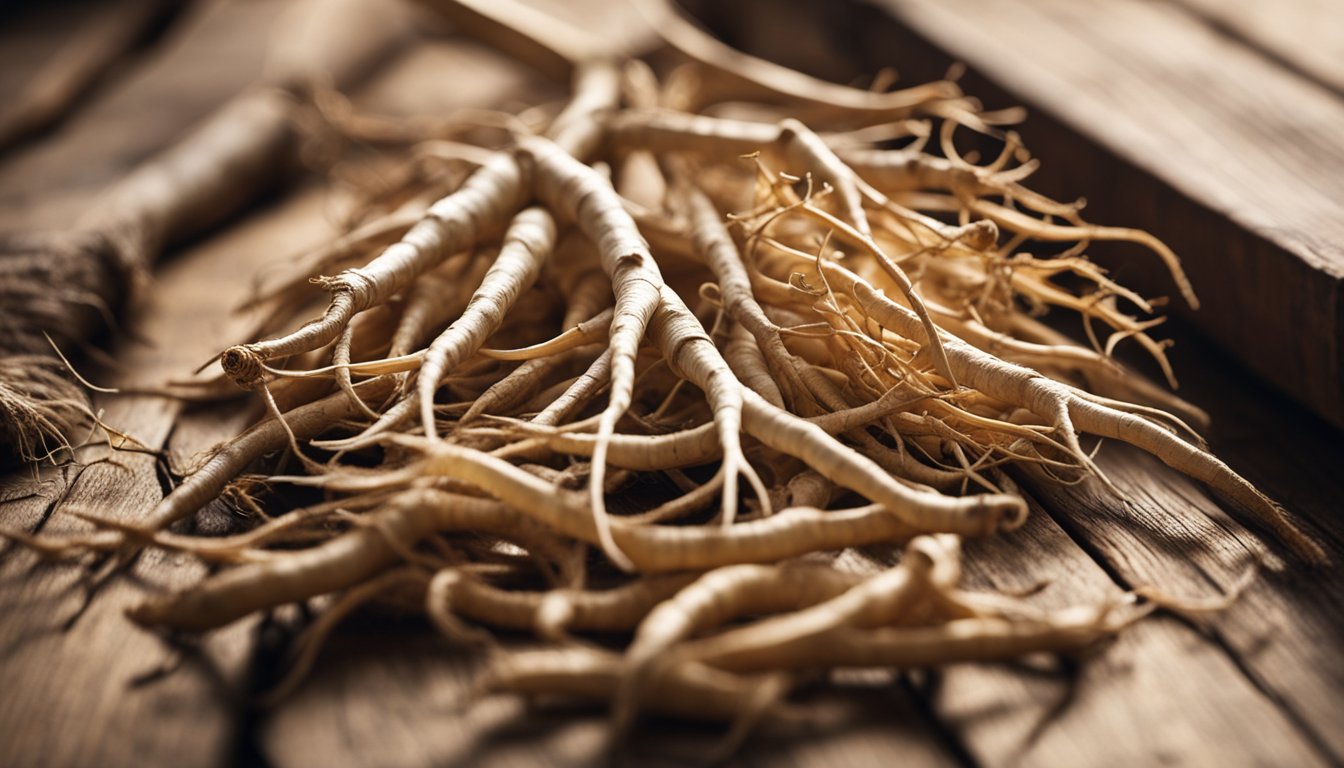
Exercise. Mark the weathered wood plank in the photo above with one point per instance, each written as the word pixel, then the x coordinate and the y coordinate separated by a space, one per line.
pixel 210 54
pixel 1286 631
pixel 1119 706
pixel 1166 125
pixel 380 700
pixel 75 696
pixel 369 685
pixel 1304 35
pixel 80 704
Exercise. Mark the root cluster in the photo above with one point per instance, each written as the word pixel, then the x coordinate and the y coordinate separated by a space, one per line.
pixel 645 362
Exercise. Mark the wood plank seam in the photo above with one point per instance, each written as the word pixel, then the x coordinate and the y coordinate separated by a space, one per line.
pixel 1208 632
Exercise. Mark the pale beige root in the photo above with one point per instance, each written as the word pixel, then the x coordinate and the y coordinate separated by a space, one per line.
pixel 476 212
pixel 435 299
pixel 734 591
pixel 959 640
pixel 527 245
pixel 587 292
pixel 690 447
pixel 577 129
pixel 479 208
pixel 523 383
pixel 655 548
pixel 377 542
pixel 231 458
pixel 552 46
pixel 552 614
pixel 929 511
pixel 579 393
pixel 732 74
pixel 1061 406
pixel 720 138
pixel 97 47
pixel 876 601
pixel 712 600
pixel 228 461
pixel 584 334
pixel 895 171
pixel 587 198
pixel 1110 380
pixel 748 364
pixel 295 281
pixel 1071 414
pixel 715 246
pixel 691 353
pixel 1040 230
pixel 691 691
pixel 303 525
pixel 809 488
pixel 809 440
pixel 671 132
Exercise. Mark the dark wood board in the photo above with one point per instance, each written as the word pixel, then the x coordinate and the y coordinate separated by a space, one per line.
pixel 402 700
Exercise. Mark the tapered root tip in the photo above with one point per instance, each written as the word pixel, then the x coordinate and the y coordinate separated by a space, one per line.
pixel 1304 546
pixel 993 513
pixel 1271 515
pixel 1014 515
pixel 146 613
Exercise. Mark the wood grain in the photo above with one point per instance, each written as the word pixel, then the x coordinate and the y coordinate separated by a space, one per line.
pixel 210 54
pixel 91 693
pixel 103 671
pixel 1303 35
pixel 1093 711
pixel 1287 629
pixel 398 700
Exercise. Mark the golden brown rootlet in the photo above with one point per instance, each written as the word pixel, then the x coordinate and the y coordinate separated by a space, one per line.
pixel 621 378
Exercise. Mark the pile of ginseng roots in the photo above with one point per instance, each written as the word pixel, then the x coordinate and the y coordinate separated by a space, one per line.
pixel 642 364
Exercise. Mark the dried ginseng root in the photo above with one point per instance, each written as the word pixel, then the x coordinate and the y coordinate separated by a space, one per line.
pixel 645 369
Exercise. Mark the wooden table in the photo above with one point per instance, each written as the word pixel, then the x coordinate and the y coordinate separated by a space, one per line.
pixel 1259 683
